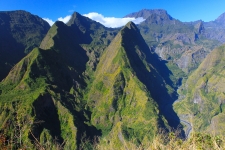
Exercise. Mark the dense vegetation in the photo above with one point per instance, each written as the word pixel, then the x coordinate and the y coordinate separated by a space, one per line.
pixel 92 87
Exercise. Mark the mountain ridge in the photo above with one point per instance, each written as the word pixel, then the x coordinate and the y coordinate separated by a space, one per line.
pixel 20 33
pixel 85 80
pixel 55 79
pixel 115 79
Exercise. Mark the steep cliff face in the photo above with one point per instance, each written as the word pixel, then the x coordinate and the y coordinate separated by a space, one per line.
pixel 204 95
pixel 20 32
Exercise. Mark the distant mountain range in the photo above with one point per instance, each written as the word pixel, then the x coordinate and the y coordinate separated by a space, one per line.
pixel 185 44
pixel 70 83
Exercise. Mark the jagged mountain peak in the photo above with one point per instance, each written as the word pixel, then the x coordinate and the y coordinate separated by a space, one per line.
pixel 73 18
pixel 48 40
pixel 130 35
pixel 129 28
pixel 131 25
pixel 200 26
pixel 81 21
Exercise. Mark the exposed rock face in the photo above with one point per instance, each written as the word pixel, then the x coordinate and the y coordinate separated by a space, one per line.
pixel 200 27
pixel 173 40
pixel 20 32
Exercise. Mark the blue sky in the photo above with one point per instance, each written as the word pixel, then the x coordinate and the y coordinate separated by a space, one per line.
pixel 184 10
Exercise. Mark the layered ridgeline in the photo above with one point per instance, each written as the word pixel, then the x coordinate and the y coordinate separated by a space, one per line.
pixel 54 96
pixel 202 97
pixel 184 45
pixel 20 32
pixel 41 98
pixel 92 36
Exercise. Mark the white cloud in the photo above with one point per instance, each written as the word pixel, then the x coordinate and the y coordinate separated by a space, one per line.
pixel 65 19
pixel 106 21
pixel 112 21
pixel 50 22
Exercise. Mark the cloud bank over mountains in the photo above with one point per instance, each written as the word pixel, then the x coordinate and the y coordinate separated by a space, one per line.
pixel 51 22
pixel 111 22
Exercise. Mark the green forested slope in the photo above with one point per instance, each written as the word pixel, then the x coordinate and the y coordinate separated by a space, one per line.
pixel 120 102
pixel 54 96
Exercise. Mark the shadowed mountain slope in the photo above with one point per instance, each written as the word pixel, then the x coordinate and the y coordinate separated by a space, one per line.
pixel 128 94
pixel 43 93
pixel 56 94
pixel 20 32
pixel 47 87
pixel 86 80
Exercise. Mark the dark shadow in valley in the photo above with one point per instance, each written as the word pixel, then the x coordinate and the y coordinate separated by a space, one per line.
pixel 81 117
pixel 156 80
pixel 46 117
pixel 65 72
